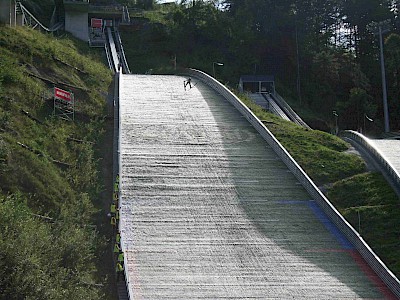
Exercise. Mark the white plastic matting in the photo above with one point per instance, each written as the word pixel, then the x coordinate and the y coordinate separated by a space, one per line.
pixel 208 211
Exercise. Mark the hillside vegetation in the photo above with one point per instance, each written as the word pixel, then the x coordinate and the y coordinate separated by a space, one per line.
pixel 363 197
pixel 50 247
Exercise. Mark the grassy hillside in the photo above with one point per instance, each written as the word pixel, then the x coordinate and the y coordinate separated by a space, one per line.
pixel 364 198
pixel 49 178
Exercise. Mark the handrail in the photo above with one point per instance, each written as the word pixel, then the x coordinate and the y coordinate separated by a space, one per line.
pixel 126 18
pixel 26 11
pixel 117 114
pixel 353 236
pixel 121 51
pixel 388 170
pixel 108 56
pixel 114 54
pixel 289 111
pixel 107 8
pixel 275 107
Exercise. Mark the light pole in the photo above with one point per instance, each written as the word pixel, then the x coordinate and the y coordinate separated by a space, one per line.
pixel 218 64
pixel 336 122
pixel 297 58
pixel 381 28
pixel 368 119
pixel 298 80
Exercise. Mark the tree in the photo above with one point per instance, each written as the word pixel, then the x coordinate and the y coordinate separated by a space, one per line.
pixel 145 4
pixel 200 30
pixel 356 108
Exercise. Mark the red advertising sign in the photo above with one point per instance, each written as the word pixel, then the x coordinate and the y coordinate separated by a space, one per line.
pixel 62 95
pixel 96 23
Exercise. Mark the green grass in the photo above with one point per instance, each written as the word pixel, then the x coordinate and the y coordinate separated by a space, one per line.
pixel 50 259
pixel 365 199
pixel 323 156
pixel 372 207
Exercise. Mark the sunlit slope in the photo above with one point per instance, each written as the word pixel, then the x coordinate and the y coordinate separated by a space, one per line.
pixel 209 211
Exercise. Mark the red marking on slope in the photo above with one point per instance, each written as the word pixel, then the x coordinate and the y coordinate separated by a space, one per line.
pixel 362 264
pixel 371 274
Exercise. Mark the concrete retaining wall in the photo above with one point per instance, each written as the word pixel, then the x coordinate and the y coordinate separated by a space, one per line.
pixel 76 22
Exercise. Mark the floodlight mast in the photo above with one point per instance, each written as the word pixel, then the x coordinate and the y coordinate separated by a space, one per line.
pixel 218 64
pixel 379 29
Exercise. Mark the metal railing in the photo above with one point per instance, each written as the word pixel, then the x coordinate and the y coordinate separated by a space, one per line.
pixel 106 8
pixel 387 169
pixel 121 51
pixel 108 56
pixel 353 236
pixel 30 20
pixel 275 107
pixel 126 18
pixel 289 111
pixel 85 1
pixel 113 50
pixel 117 115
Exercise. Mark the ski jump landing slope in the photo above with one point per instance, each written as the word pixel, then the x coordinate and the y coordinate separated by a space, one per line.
pixel 208 211
pixel 390 151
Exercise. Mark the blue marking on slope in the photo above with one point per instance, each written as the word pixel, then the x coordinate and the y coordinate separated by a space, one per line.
pixel 323 218
pixel 319 213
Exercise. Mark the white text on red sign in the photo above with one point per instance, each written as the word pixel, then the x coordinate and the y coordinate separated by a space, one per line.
pixel 61 94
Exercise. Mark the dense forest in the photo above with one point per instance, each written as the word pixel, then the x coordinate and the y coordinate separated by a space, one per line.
pixel 325 55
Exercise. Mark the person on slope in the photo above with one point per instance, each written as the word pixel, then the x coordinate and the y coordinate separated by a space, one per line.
pixel 187 82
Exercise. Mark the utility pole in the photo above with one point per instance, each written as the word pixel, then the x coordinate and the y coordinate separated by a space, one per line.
pixel 298 61
pixel 384 92
pixel 298 81
pixel 336 122
pixel 379 29
pixel 10 14
pixel 218 64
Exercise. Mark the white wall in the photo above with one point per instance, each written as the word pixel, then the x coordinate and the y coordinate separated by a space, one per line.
pixel 77 24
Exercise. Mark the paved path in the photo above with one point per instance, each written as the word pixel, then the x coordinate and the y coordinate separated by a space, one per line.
pixel 208 211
